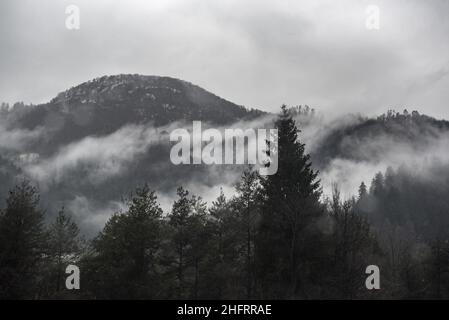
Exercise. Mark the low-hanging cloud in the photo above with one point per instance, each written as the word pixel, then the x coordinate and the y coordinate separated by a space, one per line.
pixel 16 140
pixel 102 157
pixel 363 158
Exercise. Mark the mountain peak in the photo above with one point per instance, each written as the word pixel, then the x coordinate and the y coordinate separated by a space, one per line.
pixel 104 104
pixel 115 87
pixel 150 98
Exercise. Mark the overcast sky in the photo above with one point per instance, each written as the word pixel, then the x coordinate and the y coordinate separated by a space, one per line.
pixel 253 52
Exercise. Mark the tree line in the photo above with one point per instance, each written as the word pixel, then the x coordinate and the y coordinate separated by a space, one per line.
pixel 276 238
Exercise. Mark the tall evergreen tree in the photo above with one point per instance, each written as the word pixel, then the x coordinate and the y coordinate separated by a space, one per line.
pixel 291 203
pixel 179 221
pixel 225 265
pixel 378 185
pixel 22 243
pixel 362 190
pixel 127 250
pixel 190 239
pixel 64 248
pixel 247 202
pixel 353 247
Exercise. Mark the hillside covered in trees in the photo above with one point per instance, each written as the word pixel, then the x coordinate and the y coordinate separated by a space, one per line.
pixel 93 143
pixel 278 237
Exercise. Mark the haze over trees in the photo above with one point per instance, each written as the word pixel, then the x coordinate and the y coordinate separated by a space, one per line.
pixel 93 143
pixel 278 237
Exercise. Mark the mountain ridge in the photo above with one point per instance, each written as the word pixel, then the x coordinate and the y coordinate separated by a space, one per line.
pixel 72 138
pixel 104 104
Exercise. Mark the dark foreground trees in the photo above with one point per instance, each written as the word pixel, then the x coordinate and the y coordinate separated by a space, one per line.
pixel 286 240
pixel 64 247
pixel 409 212
pixel 33 256
pixel 123 261
pixel 22 243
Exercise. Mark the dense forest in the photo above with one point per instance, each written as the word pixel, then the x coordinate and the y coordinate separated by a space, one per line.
pixel 277 238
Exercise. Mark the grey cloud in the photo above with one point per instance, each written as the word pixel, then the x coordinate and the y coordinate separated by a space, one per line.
pixel 105 156
pixel 91 215
pixel 18 139
pixel 381 152
pixel 257 53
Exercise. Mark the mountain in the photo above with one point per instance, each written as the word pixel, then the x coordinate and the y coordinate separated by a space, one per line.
pixel 97 141
pixel 103 105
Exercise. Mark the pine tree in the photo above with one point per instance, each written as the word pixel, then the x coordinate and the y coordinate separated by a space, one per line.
pixel 378 185
pixel 362 190
pixel 200 239
pixel 127 249
pixel 248 198
pixel 22 243
pixel 225 255
pixel 291 203
pixel 353 246
pixel 64 247
pixel 191 240
pixel 179 221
